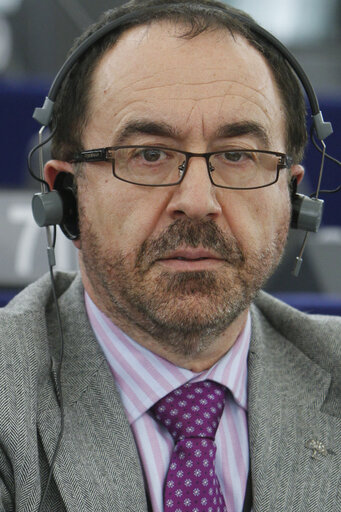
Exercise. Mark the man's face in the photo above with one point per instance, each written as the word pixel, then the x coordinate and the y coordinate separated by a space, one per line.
pixel 180 264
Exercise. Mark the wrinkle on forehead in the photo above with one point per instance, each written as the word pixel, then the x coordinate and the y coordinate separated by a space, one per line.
pixel 181 76
pixel 222 91
pixel 194 90
pixel 146 54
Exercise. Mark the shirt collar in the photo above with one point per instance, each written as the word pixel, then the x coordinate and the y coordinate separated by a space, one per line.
pixel 143 377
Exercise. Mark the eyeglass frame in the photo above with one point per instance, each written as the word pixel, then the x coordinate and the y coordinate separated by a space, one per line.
pixel 101 155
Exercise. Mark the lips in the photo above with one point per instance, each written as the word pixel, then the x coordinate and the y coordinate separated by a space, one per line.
pixel 191 254
pixel 190 260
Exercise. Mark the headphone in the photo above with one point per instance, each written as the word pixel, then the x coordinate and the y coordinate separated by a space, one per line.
pixel 59 206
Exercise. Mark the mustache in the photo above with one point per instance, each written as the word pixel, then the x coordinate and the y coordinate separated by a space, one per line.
pixel 189 233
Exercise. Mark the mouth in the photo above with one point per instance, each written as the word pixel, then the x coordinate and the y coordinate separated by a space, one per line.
pixel 191 260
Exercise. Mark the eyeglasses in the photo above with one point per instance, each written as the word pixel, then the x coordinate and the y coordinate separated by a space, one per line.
pixel 154 166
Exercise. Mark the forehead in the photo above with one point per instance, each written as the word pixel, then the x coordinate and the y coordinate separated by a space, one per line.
pixel 214 76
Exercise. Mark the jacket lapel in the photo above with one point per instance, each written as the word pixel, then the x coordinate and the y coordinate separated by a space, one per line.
pixel 286 393
pixel 97 467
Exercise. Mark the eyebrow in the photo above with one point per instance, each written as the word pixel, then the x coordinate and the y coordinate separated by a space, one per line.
pixel 163 129
pixel 146 127
pixel 237 129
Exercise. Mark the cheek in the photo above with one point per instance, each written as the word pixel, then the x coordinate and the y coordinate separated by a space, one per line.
pixel 256 217
pixel 275 211
pixel 122 215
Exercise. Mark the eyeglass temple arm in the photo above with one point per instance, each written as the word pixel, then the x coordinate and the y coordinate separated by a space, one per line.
pixel 92 155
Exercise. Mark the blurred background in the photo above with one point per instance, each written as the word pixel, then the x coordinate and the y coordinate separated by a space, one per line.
pixel 35 36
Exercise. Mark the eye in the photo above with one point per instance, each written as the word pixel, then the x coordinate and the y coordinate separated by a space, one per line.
pixel 237 156
pixel 150 154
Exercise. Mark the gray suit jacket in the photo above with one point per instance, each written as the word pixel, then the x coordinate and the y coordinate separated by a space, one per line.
pixel 294 398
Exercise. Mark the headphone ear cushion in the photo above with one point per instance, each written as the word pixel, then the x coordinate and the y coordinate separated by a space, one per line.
pixel 293 187
pixel 65 185
pixel 306 212
pixel 295 202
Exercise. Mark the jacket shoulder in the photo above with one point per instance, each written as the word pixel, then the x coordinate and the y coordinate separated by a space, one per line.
pixel 23 320
pixel 318 336
pixel 23 329
pixel 24 326
pixel 38 294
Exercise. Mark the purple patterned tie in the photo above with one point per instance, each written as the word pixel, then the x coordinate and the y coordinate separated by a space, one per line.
pixel 191 414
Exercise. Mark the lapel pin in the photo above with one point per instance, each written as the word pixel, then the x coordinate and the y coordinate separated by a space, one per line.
pixel 318 448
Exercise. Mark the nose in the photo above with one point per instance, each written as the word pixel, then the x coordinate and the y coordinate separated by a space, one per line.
pixel 195 197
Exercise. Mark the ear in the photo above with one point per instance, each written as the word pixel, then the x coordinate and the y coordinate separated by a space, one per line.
pixel 53 168
pixel 297 171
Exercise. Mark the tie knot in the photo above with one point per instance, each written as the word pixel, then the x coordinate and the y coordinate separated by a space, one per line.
pixel 193 410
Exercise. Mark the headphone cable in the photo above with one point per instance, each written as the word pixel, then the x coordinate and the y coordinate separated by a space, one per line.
pixel 329 157
pixel 51 260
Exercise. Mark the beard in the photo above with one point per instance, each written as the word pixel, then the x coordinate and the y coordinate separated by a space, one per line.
pixel 183 311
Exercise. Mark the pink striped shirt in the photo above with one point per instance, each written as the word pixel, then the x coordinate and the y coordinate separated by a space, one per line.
pixel 143 378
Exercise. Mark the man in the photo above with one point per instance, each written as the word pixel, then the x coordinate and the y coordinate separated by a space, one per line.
pixel 182 219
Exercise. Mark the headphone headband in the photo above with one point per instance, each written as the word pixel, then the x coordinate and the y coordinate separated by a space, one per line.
pixel 44 114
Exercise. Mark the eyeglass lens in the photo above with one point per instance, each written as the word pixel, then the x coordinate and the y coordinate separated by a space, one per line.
pixel 159 166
